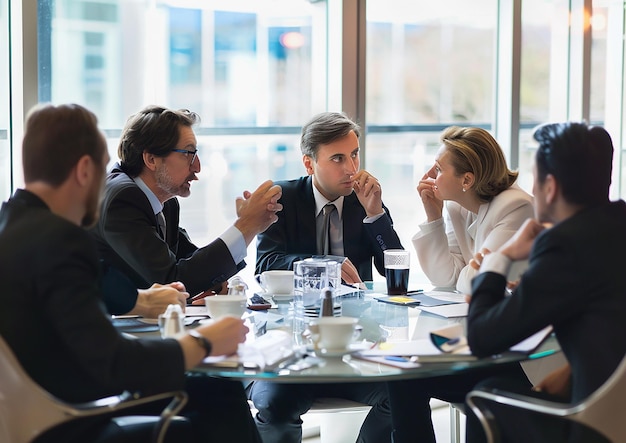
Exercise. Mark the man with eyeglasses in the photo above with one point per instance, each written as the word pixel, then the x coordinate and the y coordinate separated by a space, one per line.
pixel 138 231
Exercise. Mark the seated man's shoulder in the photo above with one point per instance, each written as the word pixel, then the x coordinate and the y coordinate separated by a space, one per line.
pixel 293 187
pixel 118 179
pixel 118 184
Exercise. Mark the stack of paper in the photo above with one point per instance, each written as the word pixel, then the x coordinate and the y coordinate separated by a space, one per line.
pixel 265 352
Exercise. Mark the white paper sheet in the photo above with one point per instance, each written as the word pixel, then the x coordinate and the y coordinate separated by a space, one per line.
pixel 448 311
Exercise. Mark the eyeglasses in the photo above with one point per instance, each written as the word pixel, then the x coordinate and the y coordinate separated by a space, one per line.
pixel 194 154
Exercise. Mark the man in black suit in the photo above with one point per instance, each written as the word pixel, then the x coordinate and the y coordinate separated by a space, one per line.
pixel 52 315
pixel 138 231
pixel 361 230
pixel 361 227
pixel 575 280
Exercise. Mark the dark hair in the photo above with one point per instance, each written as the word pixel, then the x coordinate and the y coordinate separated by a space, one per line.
pixel 155 130
pixel 55 139
pixel 579 157
pixel 325 128
pixel 475 150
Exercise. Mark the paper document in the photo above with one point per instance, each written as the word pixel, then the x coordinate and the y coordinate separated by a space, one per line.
pixel 448 311
pixel 265 352
pixel 531 343
pixel 421 351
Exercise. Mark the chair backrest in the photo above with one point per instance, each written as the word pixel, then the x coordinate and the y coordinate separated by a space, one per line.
pixel 26 410
pixel 605 409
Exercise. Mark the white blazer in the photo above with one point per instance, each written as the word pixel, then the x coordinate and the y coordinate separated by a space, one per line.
pixel 444 249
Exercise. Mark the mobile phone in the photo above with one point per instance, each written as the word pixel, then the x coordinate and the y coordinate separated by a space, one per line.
pixel 258 303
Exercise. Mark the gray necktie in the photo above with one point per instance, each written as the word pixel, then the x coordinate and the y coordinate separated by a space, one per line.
pixel 323 242
pixel 161 222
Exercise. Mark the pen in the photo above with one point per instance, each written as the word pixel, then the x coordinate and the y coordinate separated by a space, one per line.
pixel 396 358
pixel 200 296
pixel 415 291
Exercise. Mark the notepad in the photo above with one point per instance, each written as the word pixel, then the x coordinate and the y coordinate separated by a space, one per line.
pixel 423 299
pixel 410 353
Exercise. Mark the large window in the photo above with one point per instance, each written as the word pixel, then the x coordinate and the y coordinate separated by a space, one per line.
pixel 255 71
pixel 245 67
pixel 429 65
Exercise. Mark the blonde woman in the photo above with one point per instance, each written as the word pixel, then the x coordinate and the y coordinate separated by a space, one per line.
pixel 483 207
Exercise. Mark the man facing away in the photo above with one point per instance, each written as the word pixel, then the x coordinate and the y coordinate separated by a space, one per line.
pixel 360 229
pixel 52 316
pixel 138 231
pixel 575 280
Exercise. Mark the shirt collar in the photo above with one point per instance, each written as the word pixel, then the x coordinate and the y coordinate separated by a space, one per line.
pixel 157 206
pixel 321 201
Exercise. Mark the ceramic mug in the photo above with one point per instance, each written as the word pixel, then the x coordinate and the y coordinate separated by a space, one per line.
pixel 220 305
pixel 334 333
pixel 276 281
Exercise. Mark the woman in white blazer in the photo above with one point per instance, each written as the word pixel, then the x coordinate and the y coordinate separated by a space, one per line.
pixel 483 207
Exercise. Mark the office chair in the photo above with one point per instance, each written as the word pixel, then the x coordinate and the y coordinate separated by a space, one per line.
pixel 603 411
pixel 27 410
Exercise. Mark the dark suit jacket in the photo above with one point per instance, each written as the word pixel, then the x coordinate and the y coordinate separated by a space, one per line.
pixel 576 281
pixel 128 239
pixel 293 236
pixel 52 316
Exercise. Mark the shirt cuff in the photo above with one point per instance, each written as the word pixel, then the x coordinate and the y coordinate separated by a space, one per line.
pixel 373 218
pixel 496 262
pixel 235 243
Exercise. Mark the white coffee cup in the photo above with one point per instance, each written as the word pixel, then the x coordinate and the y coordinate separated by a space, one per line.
pixel 276 281
pixel 334 333
pixel 221 305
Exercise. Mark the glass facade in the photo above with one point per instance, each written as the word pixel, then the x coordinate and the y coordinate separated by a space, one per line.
pixel 255 71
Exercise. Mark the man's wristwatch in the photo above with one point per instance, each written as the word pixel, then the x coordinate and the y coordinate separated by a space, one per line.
pixel 202 341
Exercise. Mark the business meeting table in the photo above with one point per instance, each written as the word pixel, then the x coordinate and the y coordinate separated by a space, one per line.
pixel 381 323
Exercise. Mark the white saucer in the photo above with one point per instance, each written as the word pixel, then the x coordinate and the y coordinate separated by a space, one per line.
pixel 334 352
pixel 282 297
pixel 351 349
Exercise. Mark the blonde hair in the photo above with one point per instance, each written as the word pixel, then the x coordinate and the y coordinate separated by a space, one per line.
pixel 475 150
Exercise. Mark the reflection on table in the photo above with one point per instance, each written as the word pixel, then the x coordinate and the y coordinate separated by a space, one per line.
pixel 381 322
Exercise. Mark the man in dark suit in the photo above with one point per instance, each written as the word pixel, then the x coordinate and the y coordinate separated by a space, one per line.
pixel 575 280
pixel 360 229
pixel 52 315
pixel 138 231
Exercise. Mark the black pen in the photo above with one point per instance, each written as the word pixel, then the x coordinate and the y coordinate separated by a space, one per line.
pixel 415 291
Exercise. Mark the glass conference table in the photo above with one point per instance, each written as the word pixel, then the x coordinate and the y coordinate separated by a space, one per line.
pixel 380 322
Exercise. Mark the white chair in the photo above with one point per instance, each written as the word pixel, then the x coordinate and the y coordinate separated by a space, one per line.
pixel 340 419
pixel 603 411
pixel 27 410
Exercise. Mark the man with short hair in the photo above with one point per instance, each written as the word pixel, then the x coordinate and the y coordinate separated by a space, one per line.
pixel 52 315
pixel 138 231
pixel 575 280
pixel 360 225
pixel 360 230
